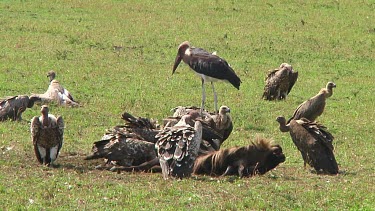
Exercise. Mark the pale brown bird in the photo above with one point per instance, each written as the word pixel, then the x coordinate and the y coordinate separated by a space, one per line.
pixel 257 158
pixel 314 107
pixel 279 82
pixel 178 146
pixel 216 126
pixel 314 142
pixel 47 134
pixel 57 93
pixel 13 107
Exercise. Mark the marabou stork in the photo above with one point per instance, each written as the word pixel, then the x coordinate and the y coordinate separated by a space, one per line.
pixel 208 66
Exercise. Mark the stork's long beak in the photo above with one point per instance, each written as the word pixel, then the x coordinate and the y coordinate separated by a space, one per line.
pixel 176 62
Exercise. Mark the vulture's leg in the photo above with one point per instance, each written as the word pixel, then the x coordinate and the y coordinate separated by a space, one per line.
pixel 241 167
pixel 215 96
pixel 203 97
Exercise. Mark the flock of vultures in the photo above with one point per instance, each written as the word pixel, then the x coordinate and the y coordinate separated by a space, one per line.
pixel 189 141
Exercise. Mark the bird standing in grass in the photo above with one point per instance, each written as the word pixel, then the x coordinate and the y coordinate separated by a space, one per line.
pixel 208 66
pixel 47 134
pixel 314 142
pixel 178 146
pixel 314 107
pixel 279 82
pixel 13 107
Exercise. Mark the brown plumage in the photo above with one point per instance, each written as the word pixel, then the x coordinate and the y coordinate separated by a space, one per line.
pixel 128 145
pixel 256 158
pixel 177 147
pixel 146 129
pixel 47 134
pixel 279 82
pixel 13 107
pixel 57 93
pixel 216 126
pixel 314 142
pixel 122 148
pixel 314 107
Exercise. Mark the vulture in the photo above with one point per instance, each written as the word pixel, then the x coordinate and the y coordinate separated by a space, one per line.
pixel 208 66
pixel 47 134
pixel 177 147
pixel 13 107
pixel 123 148
pixel 314 142
pixel 216 126
pixel 257 158
pixel 314 107
pixel 279 82
pixel 128 145
pixel 56 92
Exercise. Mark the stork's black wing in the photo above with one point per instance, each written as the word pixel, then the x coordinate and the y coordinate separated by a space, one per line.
pixel 213 66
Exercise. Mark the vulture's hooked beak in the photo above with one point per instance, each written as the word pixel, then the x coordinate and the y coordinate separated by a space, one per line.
pixel 176 62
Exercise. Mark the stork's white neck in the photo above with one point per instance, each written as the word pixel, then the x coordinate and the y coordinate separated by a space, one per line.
pixel 188 52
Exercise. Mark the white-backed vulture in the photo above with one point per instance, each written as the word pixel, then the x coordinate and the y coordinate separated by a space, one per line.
pixel 279 82
pixel 314 142
pixel 177 148
pixel 256 158
pixel 216 126
pixel 314 107
pixel 47 134
pixel 13 107
pixel 57 93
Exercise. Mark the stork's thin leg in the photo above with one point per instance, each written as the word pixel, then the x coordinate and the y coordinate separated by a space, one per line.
pixel 203 97
pixel 215 96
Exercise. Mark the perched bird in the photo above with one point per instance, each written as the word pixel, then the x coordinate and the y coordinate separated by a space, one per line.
pixel 279 82
pixel 314 142
pixel 257 158
pixel 314 107
pixel 208 66
pixel 47 134
pixel 13 107
pixel 177 148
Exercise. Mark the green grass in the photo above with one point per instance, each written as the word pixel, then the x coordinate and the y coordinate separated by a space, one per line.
pixel 323 40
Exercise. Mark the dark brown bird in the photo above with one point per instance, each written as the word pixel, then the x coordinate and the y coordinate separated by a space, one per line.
pixel 257 158
pixel 121 147
pixel 279 82
pixel 177 147
pixel 47 134
pixel 314 142
pixel 208 66
pixel 128 145
pixel 146 129
pixel 13 107
pixel 314 107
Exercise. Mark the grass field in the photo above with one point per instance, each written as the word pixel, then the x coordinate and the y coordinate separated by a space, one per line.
pixel 323 40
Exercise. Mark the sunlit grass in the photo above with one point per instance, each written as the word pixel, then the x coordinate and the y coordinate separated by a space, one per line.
pixel 323 40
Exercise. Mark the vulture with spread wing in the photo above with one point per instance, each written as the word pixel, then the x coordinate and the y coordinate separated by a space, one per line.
pixel 314 142
pixel 128 145
pixel 13 107
pixel 279 82
pixel 47 133
pixel 314 107
pixel 177 147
